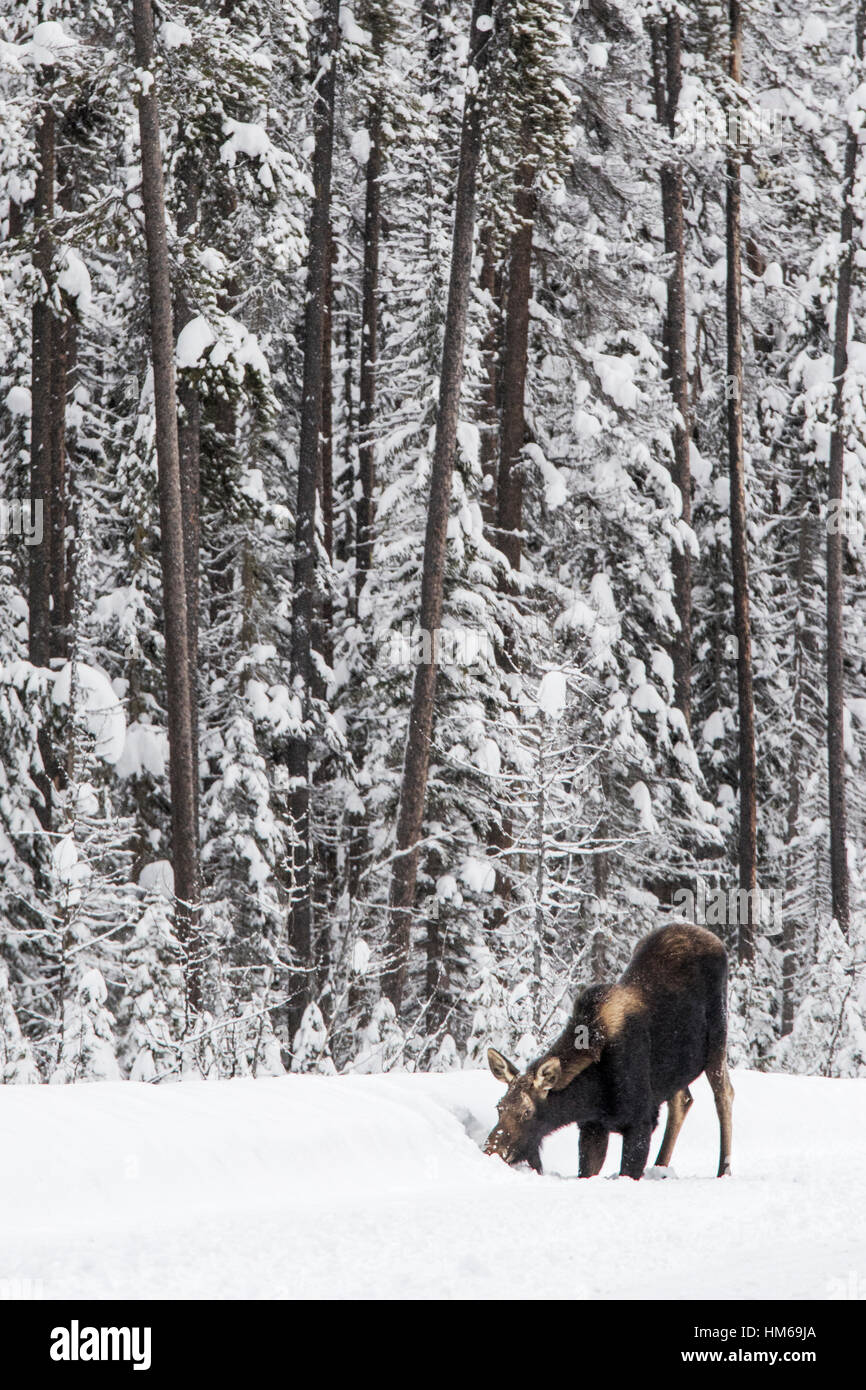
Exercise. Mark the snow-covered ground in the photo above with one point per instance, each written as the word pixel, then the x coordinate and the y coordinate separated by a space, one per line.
pixel 308 1187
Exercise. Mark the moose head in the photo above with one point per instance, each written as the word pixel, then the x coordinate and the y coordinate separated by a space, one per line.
pixel 524 1111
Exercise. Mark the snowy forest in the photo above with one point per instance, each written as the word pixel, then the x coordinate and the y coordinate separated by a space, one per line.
pixel 432 525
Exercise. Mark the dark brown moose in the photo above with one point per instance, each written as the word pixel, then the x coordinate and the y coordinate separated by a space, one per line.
pixel 628 1047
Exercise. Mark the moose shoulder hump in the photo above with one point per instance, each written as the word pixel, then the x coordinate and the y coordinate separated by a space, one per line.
pixel 621 1003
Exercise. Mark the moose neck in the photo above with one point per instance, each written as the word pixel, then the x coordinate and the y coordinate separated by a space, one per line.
pixel 576 1102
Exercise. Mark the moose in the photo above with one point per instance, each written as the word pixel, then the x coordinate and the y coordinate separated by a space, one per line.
pixel 628 1047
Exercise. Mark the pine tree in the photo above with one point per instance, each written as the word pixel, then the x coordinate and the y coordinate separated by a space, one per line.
pixel 181 720
pixel 87 1051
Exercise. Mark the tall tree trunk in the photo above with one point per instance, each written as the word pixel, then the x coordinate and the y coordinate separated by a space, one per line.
pixel 58 554
pixel 64 517
pixel 736 465
pixel 417 757
pixel 835 583
pixel 301 923
pixel 369 352
pixel 512 436
pixel 667 82
pixel 327 874
pixel 507 347
pixel 323 635
pixel 189 446
pixel 509 501
pixel 41 384
pixel 66 599
pixel 491 285
pixel 345 542
pixel 184 827
pixel 326 481
pixel 801 672
pixel 436 936
pixel 62 340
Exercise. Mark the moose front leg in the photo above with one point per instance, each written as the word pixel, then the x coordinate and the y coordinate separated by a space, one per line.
pixel 723 1094
pixel 635 1150
pixel 593 1149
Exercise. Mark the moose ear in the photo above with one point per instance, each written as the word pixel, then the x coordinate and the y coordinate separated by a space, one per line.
pixel 502 1069
pixel 548 1077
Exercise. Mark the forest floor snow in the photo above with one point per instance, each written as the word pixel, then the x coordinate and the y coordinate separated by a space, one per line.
pixel 375 1186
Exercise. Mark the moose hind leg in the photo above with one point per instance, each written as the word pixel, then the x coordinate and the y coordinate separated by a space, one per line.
pixel 678 1107
pixel 636 1142
pixel 723 1094
pixel 593 1149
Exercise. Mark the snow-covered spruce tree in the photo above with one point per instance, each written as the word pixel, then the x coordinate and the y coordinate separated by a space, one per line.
pixel 24 850
pixel 87 1051
pixel 528 969
pixel 714 135
pixel 454 878
pixel 414 778
pixel 17 1063
pixel 219 90
pixel 611 514
pixel 794 261
pixel 150 1017
pixel 59 74
pixel 310 1044
pixel 828 1037
pixel 93 901
pixel 413 277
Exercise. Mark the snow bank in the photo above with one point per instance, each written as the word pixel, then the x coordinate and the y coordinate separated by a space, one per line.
pixel 375 1186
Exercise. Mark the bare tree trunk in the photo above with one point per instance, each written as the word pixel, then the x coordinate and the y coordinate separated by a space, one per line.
pixel 369 352
pixel 736 465
pixel 62 338
pixel 66 599
pixel 301 924
pixel 798 714
pixel 326 488
pixel 189 446
pixel 417 758
pixel 667 82
pixel 41 479
pixel 835 583
pixel 346 541
pixel 491 284
pixel 436 936
pixel 58 554
pixel 509 517
pixel 326 875
pixel 507 349
pixel 64 514
pixel 323 636
pixel 184 827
